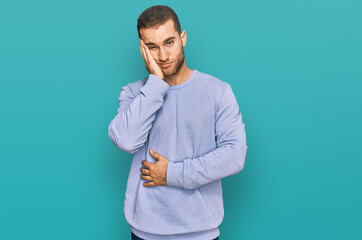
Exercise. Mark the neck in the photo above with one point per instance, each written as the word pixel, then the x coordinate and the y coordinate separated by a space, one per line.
pixel 181 76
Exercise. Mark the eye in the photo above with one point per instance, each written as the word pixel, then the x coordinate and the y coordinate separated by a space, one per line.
pixel 169 42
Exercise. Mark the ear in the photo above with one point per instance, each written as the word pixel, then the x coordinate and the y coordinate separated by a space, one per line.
pixel 183 38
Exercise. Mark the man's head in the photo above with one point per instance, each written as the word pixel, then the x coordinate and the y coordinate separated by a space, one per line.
pixel 159 28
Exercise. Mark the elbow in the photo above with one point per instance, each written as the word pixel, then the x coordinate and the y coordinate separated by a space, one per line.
pixel 240 159
pixel 243 151
pixel 239 164
pixel 123 143
pixel 127 149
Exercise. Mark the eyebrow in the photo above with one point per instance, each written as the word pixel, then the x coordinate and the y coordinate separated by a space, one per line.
pixel 151 43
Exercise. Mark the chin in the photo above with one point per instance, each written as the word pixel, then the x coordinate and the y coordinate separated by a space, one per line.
pixel 169 72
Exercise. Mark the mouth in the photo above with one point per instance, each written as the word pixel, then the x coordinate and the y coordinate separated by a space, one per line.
pixel 165 64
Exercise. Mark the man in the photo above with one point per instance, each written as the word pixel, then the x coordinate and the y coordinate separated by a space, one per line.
pixel 186 132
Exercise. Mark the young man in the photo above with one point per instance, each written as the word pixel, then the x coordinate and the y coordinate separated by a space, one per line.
pixel 191 121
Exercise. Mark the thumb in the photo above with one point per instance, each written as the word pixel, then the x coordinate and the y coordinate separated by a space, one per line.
pixel 155 154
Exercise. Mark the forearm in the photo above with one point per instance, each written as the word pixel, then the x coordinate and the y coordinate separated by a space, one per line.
pixel 130 127
pixel 227 159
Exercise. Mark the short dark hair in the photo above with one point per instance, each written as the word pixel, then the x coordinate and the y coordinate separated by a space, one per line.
pixel 157 15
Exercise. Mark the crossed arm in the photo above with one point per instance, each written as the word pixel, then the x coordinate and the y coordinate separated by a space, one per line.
pixel 129 130
pixel 227 159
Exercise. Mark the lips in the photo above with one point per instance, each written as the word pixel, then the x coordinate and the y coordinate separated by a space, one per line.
pixel 165 64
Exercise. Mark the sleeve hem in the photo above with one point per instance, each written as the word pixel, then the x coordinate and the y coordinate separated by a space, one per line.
pixel 175 174
pixel 155 86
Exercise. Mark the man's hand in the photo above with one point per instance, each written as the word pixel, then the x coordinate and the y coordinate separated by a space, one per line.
pixel 156 172
pixel 151 64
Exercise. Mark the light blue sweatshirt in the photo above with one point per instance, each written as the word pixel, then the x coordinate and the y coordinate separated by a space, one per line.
pixel 198 127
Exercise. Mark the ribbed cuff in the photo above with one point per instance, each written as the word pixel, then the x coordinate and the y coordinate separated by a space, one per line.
pixel 155 86
pixel 175 174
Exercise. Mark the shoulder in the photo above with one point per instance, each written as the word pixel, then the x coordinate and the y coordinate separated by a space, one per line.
pixel 213 84
pixel 134 87
pixel 212 81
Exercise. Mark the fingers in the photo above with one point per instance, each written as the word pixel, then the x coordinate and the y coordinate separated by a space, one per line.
pixel 146 164
pixel 145 177
pixel 155 154
pixel 143 51
pixel 149 184
pixel 148 53
pixel 145 171
pixel 150 62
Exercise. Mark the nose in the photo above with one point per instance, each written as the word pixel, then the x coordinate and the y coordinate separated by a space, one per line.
pixel 162 55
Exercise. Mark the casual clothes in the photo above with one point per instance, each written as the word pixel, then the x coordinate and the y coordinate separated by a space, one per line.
pixel 198 127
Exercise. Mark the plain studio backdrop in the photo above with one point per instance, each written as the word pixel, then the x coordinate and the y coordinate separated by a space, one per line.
pixel 295 68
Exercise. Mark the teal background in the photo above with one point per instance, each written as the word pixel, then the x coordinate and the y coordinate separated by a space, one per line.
pixel 294 66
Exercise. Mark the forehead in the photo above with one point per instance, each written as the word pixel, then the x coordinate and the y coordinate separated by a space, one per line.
pixel 160 33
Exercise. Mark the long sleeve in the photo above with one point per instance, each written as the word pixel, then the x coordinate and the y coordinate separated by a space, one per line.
pixel 227 159
pixel 130 127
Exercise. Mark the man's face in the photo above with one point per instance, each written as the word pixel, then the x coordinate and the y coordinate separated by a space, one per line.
pixel 166 46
